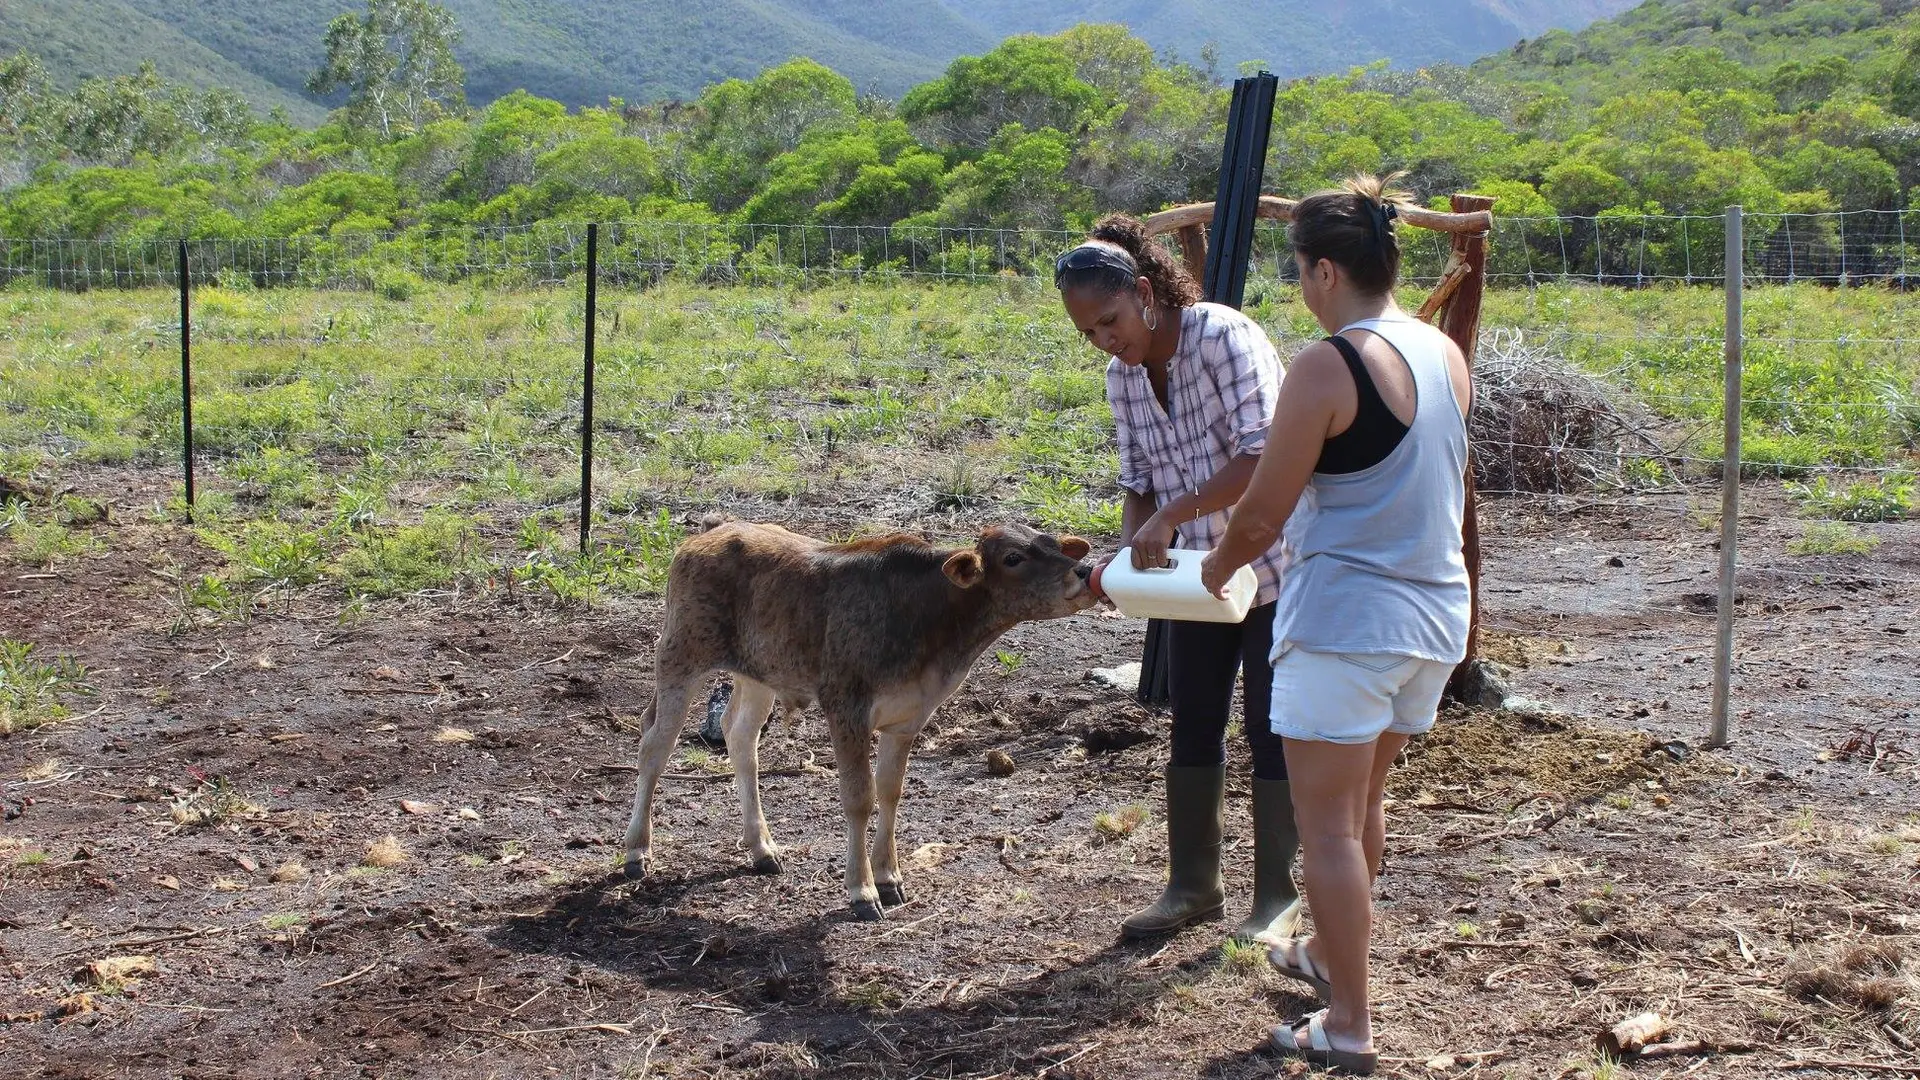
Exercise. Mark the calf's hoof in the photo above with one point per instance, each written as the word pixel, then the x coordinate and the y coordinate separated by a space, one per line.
pixel 891 894
pixel 866 911
pixel 767 864
pixel 634 867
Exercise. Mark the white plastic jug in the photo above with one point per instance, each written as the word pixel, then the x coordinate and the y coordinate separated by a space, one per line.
pixel 1174 591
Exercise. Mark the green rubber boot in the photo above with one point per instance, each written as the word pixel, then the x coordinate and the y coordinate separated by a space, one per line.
pixel 1194 890
pixel 1277 909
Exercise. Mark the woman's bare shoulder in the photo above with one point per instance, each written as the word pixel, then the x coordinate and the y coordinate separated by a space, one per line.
pixel 1317 360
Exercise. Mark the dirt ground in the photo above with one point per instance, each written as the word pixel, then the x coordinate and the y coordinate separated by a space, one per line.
pixel 1551 871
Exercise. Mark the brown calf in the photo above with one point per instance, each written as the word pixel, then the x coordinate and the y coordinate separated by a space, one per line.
pixel 879 632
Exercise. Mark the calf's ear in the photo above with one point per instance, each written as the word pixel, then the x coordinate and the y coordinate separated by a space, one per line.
pixel 965 569
pixel 1074 548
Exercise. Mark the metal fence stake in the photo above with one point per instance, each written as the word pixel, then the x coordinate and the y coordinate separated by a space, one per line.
pixel 186 379
pixel 1729 482
pixel 586 391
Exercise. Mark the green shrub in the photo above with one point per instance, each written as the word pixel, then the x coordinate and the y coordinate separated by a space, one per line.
pixel 30 688
pixel 271 552
pixel 1832 538
pixel 392 562
pixel 397 284
pixel 1885 499
pixel 42 543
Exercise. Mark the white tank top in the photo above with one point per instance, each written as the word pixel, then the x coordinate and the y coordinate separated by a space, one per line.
pixel 1379 566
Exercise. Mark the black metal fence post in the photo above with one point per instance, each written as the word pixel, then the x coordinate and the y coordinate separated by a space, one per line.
pixel 186 378
pixel 1243 161
pixel 586 392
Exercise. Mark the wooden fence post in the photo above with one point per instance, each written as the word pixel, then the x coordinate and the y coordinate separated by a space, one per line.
pixel 1461 322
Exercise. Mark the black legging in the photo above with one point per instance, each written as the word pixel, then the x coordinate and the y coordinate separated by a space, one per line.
pixel 1204 658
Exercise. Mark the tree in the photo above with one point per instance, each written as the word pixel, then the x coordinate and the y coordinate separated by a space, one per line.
pixel 875 174
pixel 337 201
pixel 1797 87
pixel 740 126
pixel 1026 80
pixel 396 65
pixel 1155 137
pixel 23 94
pixel 1019 182
pixel 511 134
pixel 1905 91
pixel 111 120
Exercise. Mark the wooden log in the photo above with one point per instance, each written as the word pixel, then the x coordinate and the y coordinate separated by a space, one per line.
pixel 20 490
pixel 1696 1048
pixel 1275 208
pixel 1450 279
pixel 1632 1035
pixel 1193 250
pixel 1461 322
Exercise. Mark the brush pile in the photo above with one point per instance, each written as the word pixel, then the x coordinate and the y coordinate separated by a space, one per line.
pixel 1542 425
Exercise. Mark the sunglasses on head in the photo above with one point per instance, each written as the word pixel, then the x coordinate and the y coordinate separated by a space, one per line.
pixel 1091 257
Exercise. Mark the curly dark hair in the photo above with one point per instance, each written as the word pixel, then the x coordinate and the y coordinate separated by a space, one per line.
pixel 1172 285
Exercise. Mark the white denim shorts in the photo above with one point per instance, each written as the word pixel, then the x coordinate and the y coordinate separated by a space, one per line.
pixel 1354 697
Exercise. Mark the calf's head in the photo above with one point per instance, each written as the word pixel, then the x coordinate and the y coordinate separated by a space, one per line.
pixel 1024 574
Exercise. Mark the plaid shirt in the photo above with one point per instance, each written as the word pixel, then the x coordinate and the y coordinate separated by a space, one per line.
pixel 1221 386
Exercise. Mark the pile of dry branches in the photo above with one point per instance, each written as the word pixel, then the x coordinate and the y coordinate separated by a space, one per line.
pixel 1540 424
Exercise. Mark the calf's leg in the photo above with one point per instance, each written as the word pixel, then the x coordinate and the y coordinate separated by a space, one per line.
pixel 853 753
pixel 746 713
pixel 664 719
pixel 890 775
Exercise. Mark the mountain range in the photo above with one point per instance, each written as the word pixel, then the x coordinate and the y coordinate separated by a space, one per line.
pixel 585 51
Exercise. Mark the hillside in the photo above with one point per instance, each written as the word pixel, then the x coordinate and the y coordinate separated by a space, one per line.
pixel 1645 46
pixel 110 37
pixel 583 51
pixel 1297 39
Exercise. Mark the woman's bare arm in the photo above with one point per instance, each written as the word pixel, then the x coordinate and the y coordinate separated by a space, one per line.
pixel 1311 396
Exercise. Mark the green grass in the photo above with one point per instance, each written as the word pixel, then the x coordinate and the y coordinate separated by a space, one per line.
pixel 31 687
pixel 1826 380
pixel 1119 824
pixel 37 537
pixel 1243 957
pixel 444 546
pixel 872 995
pixel 1832 538
pixel 375 447
pixel 1884 499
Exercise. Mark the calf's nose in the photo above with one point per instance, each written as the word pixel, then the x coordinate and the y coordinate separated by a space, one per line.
pixel 1083 570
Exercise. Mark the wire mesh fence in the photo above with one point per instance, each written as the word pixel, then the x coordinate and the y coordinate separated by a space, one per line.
pixel 926 378
pixel 1618 249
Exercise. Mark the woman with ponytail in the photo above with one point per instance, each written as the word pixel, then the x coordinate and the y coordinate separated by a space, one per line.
pixel 1192 386
pixel 1370 428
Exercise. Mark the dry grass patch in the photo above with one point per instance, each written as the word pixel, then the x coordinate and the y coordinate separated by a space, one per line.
pixel 116 974
pixel 385 853
pixel 212 804
pixel 1862 975
pixel 453 735
pixel 1119 824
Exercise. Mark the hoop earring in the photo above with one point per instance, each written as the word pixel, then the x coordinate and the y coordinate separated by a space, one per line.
pixel 1152 324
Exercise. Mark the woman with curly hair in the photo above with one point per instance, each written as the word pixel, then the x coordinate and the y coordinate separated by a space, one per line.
pixel 1192 386
pixel 1370 430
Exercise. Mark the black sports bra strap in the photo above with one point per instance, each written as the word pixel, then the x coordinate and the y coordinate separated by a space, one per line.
pixel 1374 432
pixel 1369 394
